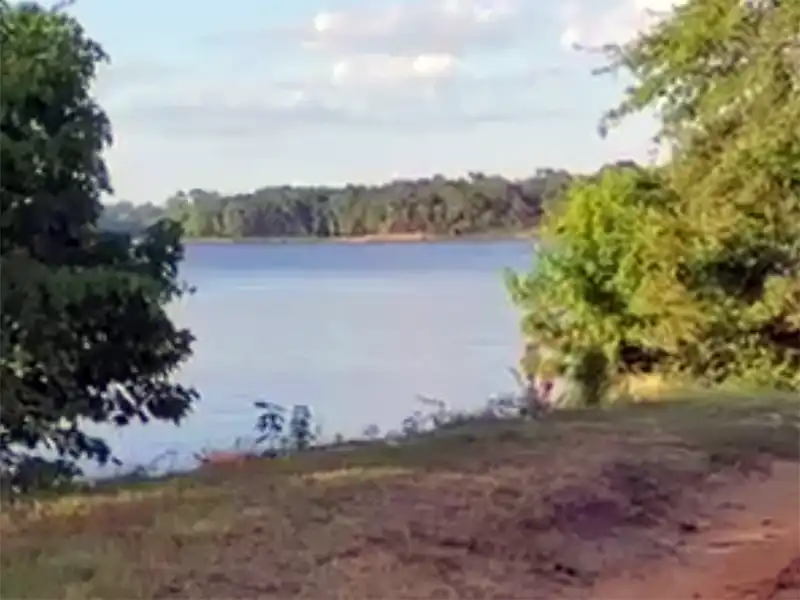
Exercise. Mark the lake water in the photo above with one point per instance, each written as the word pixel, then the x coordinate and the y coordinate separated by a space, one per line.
pixel 357 332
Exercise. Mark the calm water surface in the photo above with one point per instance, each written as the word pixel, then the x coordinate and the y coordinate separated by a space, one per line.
pixel 356 331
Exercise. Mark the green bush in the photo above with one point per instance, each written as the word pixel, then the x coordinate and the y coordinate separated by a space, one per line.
pixel 691 270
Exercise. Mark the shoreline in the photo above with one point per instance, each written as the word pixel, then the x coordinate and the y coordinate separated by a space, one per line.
pixel 374 238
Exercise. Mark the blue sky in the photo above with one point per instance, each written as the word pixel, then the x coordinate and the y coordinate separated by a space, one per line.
pixel 237 95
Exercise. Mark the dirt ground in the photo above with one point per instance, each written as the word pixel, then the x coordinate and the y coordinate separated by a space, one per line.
pixel 746 546
pixel 648 505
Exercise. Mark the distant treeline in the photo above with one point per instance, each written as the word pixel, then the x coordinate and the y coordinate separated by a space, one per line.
pixel 437 206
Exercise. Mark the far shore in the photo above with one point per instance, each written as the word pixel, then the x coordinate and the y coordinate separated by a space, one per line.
pixel 375 238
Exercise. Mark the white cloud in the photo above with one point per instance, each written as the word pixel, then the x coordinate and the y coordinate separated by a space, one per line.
pixel 586 26
pixel 221 108
pixel 416 53
pixel 413 28
pixel 422 40
pixel 259 121
pixel 382 69
pixel 406 65
pixel 413 42
pixel 425 92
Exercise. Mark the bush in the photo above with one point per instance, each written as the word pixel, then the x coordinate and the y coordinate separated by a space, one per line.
pixel 589 307
pixel 690 271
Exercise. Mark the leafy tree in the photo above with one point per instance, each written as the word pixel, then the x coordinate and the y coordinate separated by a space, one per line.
pixel 436 206
pixel 296 433
pixel 83 331
pixel 691 270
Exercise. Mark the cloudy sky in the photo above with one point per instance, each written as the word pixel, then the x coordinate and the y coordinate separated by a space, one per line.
pixel 239 94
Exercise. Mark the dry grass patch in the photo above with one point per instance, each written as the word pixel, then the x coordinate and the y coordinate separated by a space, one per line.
pixel 355 474
pixel 483 510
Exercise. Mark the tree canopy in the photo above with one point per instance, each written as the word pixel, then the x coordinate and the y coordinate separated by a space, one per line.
pixel 434 206
pixel 83 332
pixel 691 270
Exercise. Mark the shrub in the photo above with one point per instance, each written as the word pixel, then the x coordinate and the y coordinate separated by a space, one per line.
pixel 692 270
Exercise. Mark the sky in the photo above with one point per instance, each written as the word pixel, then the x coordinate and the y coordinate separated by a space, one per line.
pixel 236 95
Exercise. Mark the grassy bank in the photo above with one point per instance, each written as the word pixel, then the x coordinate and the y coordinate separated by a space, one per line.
pixel 454 511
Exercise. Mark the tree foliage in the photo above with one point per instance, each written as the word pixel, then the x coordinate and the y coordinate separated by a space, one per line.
pixel 691 270
pixel 434 206
pixel 84 335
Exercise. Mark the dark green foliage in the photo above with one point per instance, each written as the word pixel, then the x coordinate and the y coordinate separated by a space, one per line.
pixel 435 206
pixel 295 434
pixel 84 334
pixel 690 271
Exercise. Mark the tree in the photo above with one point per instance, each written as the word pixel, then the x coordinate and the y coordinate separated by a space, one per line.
pixel 691 270
pixel 435 205
pixel 83 331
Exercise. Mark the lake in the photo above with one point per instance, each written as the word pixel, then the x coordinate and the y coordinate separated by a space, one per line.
pixel 356 331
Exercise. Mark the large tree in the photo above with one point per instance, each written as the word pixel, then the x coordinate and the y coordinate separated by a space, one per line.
pixel 691 270
pixel 84 335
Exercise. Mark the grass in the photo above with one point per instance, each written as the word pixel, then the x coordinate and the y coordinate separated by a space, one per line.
pixel 302 526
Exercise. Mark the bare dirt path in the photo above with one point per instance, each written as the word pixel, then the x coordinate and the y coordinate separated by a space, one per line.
pixel 534 529
pixel 746 548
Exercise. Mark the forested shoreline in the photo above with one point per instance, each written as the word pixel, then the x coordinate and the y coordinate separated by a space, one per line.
pixel 437 206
